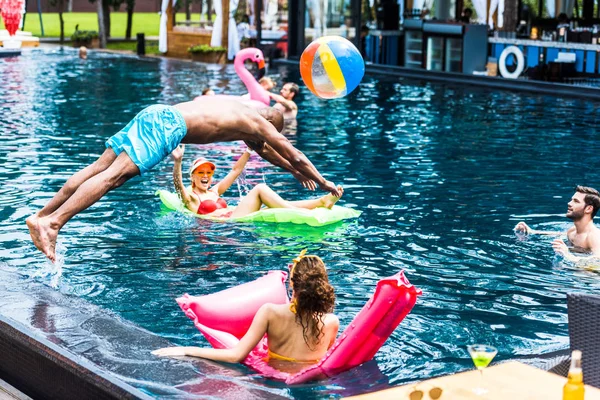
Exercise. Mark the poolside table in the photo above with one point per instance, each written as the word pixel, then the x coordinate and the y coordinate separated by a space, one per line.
pixel 510 380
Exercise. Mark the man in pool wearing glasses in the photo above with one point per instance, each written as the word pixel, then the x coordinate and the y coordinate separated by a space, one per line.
pixel 583 235
pixel 151 136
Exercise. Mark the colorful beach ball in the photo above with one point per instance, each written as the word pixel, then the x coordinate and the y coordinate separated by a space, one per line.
pixel 331 67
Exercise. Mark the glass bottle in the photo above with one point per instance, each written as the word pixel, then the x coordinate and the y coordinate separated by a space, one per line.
pixel 562 34
pixel 574 389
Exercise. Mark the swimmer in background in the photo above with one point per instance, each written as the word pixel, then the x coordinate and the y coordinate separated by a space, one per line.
pixel 205 200
pixel 285 101
pixel 208 92
pixel 299 333
pixel 151 136
pixel 83 53
pixel 584 235
pixel 265 82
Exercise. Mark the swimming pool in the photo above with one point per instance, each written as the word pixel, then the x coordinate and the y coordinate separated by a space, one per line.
pixel 441 173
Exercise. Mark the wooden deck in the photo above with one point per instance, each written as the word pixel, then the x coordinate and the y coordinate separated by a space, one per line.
pixel 508 381
pixel 27 40
pixel 7 392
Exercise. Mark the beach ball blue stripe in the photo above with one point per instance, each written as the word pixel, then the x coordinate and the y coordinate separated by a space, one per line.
pixel 350 61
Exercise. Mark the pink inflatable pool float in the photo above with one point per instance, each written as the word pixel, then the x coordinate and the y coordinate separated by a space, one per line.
pixel 224 318
pixel 259 97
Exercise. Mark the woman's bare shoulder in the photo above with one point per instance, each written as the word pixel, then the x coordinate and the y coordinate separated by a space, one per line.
pixel 274 313
pixel 331 320
pixel 272 308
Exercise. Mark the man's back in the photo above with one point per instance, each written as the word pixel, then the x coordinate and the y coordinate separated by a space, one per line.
pixel 218 119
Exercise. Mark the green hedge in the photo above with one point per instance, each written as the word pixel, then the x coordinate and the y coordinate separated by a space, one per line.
pixel 147 23
pixel 204 48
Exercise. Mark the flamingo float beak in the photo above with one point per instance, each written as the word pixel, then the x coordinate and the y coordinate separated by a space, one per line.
pixel 261 69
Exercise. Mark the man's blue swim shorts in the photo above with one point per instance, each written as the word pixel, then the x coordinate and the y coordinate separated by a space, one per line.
pixel 151 136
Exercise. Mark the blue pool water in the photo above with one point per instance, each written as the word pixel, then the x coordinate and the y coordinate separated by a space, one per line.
pixel 441 173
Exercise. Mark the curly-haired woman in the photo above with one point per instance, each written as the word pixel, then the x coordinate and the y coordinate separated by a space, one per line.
pixel 299 332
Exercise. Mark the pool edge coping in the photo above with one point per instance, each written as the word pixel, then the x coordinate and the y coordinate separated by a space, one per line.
pixel 496 82
pixel 42 369
pixel 517 85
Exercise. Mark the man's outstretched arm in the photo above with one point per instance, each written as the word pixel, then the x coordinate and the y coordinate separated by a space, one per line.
pixel 289 105
pixel 295 157
pixel 267 153
pixel 524 228
pixel 561 248
pixel 593 244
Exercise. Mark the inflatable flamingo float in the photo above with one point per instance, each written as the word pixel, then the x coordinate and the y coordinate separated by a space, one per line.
pixel 259 97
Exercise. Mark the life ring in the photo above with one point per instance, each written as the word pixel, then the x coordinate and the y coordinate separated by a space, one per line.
pixel 520 62
pixel 224 318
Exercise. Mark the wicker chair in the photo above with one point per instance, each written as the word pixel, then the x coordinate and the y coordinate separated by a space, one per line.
pixel 584 334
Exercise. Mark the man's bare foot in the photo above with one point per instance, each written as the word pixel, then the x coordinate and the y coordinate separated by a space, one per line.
pixel 43 235
pixel 33 232
pixel 329 200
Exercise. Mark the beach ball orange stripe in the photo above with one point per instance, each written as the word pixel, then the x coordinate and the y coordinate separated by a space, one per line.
pixel 306 61
pixel 331 66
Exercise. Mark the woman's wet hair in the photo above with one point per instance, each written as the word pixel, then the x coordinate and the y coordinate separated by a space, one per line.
pixel 274 116
pixel 314 297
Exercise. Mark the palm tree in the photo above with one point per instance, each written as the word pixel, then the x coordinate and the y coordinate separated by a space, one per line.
pixel 101 25
pixel 60 7
pixel 130 6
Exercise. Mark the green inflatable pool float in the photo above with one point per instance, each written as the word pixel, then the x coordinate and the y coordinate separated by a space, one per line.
pixel 316 217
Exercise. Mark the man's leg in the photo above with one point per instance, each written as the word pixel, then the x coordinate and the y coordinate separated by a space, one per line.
pixel 45 232
pixel 72 184
pixel 105 160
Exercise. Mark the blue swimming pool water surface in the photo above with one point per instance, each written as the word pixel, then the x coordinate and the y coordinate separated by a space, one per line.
pixel 442 175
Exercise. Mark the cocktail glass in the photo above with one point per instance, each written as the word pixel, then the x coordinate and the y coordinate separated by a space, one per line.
pixel 482 355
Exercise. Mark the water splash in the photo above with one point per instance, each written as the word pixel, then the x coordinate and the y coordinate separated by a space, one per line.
pixel 58 265
pixel 50 272
pixel 243 185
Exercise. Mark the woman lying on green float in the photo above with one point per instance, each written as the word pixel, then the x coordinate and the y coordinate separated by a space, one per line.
pixel 205 200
